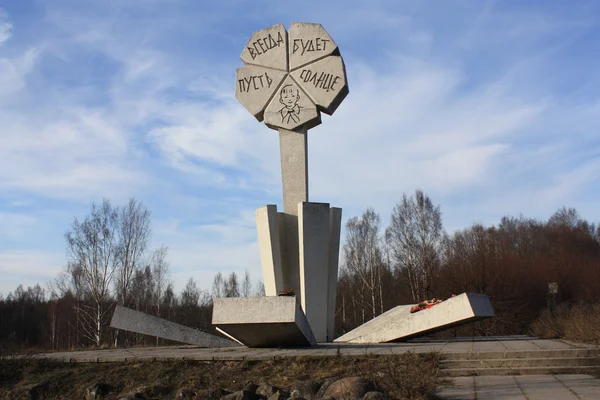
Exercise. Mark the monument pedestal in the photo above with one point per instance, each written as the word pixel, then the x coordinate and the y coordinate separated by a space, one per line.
pixel 263 321
pixel 300 253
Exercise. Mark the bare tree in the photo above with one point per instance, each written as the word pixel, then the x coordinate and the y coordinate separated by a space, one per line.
pixel 415 237
pixel 260 289
pixel 363 258
pixel 133 234
pixel 190 296
pixel 92 252
pixel 246 285
pixel 232 286
pixel 218 286
pixel 160 272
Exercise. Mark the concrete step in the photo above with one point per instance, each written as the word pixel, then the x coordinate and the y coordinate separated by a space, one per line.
pixel 552 353
pixel 520 362
pixel 455 372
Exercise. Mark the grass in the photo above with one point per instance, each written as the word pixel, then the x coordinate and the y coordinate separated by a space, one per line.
pixel 579 323
pixel 407 376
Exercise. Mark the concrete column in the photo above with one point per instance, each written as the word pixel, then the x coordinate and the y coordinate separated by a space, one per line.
pixel 267 225
pixel 289 236
pixel 294 168
pixel 335 222
pixel 294 177
pixel 314 233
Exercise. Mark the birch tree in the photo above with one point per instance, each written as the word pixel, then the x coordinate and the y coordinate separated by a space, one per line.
pixel 363 257
pixel 92 253
pixel 415 237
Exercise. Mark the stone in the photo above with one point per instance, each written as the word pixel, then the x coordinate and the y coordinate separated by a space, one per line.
pixel 98 390
pixel 139 322
pixel 399 324
pixel 250 387
pixel 186 394
pixel 291 108
pixel 256 86
pixel 219 393
pixel 324 386
pixel 279 395
pixel 265 390
pixel 240 395
pixel 374 396
pixel 307 43
pixel 308 389
pixel 263 321
pixel 351 388
pixel 38 391
pixel 267 224
pixel 324 81
pixel 267 48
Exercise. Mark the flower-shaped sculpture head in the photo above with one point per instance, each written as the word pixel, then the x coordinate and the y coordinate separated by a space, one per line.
pixel 290 77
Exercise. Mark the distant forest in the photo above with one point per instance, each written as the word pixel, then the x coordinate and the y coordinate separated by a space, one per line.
pixel 412 259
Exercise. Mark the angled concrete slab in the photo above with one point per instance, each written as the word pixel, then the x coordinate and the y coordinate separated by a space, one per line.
pixel 263 321
pixel 135 321
pixel 399 324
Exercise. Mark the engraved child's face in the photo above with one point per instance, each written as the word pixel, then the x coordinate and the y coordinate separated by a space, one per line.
pixel 289 96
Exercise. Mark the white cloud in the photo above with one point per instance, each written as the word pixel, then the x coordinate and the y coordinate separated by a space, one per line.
pixel 5 27
pixel 15 226
pixel 28 267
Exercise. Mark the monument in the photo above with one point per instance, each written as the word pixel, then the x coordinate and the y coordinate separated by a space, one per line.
pixel 289 79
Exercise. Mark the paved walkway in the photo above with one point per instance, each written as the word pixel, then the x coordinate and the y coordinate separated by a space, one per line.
pixel 526 387
pixel 501 344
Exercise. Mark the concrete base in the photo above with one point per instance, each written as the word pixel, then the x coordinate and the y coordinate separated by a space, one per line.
pixel 399 324
pixel 263 321
pixel 135 321
pixel 301 251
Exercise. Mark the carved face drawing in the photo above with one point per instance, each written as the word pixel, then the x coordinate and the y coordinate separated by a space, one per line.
pixel 289 96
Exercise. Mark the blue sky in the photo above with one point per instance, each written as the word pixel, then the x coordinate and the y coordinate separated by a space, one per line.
pixel 492 108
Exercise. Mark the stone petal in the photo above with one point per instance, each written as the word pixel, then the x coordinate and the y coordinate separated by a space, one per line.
pixel 308 43
pixel 291 108
pixel 267 48
pixel 255 87
pixel 324 81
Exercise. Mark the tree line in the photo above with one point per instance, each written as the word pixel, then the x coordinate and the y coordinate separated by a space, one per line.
pixel 513 262
pixel 411 259
pixel 109 262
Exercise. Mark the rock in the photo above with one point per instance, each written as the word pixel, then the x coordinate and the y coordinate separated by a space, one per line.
pixel 351 388
pixel 38 392
pixel 324 385
pixel 153 390
pixel 374 396
pixel 251 387
pixel 133 396
pixel 280 395
pixel 264 390
pixel 98 390
pixel 185 394
pixel 308 389
pixel 240 395
pixel 218 393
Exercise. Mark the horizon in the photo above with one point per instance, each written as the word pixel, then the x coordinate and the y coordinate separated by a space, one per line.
pixel 491 109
